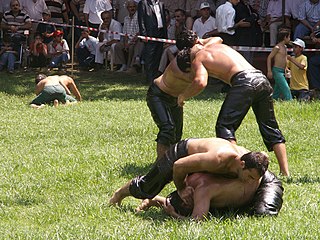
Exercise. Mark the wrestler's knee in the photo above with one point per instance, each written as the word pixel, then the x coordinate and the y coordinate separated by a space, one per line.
pixel 223 132
pixel 167 135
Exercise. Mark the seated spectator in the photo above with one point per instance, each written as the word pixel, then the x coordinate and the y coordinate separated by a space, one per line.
pixel 46 29
pixel 128 52
pixel 58 50
pixel 292 13
pixel 298 67
pixel 86 49
pixel 15 21
pixel 38 52
pixel 309 17
pixel 93 10
pixel 109 35
pixel 204 26
pixel 8 55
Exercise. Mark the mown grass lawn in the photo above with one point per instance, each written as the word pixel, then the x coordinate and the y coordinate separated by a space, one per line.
pixel 59 166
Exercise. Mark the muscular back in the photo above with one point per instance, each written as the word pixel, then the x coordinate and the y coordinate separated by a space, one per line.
pixel 219 60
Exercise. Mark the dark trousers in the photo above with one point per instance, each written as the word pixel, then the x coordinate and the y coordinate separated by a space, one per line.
pixel 152 54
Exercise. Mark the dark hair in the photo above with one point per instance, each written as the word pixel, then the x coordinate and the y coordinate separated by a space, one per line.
pixel 257 160
pixel 183 60
pixel 186 39
pixel 178 204
pixel 40 77
pixel 181 10
pixel 282 34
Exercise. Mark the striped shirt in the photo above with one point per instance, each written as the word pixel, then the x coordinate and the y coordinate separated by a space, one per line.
pixel 131 26
pixel 19 20
pixel 57 8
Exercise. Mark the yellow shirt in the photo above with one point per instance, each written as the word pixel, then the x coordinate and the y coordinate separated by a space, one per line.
pixel 298 80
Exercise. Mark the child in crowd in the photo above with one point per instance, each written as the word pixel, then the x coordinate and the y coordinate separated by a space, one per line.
pixel 298 66
pixel 58 50
pixel 277 72
pixel 8 55
pixel 38 52
pixel 46 29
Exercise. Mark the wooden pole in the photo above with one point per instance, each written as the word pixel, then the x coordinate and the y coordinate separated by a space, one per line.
pixel 72 46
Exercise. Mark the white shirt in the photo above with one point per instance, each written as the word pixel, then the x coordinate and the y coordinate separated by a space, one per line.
pixel 33 9
pixel 201 28
pixel 158 14
pixel 94 8
pixel 90 44
pixel 115 26
pixel 225 15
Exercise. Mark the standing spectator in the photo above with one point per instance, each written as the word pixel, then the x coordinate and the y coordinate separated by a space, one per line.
pixel 120 10
pixel 46 29
pixel 109 35
pixel 34 8
pixel 225 21
pixel 58 11
pixel 173 5
pixel 92 12
pixel 204 26
pixel 314 68
pixel 4 6
pixel 246 27
pixel 152 23
pixel 131 45
pixel 277 72
pixel 309 17
pixel 86 48
pixel 58 50
pixel 77 7
pixel 298 67
pixel 8 55
pixel 38 52
pixel 15 21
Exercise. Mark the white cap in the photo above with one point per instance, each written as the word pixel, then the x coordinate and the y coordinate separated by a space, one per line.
pixel 299 43
pixel 204 5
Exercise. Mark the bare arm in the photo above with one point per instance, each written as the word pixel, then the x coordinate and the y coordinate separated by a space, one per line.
pixel 274 51
pixel 75 90
pixel 201 204
pixel 39 87
pixel 65 87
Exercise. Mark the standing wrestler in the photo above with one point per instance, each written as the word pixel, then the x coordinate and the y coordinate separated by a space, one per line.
pixel 249 88
pixel 162 96
pixel 212 155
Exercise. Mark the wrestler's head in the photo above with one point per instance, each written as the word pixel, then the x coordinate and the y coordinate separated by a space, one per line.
pixel 40 77
pixel 186 39
pixel 256 160
pixel 183 60
pixel 179 206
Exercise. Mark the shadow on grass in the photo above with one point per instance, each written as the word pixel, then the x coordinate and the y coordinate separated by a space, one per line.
pixel 303 180
pixel 99 85
pixel 131 170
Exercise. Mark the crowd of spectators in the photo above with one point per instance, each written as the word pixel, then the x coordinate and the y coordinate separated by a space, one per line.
pixel 107 30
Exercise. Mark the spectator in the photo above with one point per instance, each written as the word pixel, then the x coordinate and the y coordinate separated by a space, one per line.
pixel 109 35
pixel 292 13
pixel 58 50
pixel 4 6
pixel 314 68
pixel 15 21
pixel 204 26
pixel 309 17
pixel 173 5
pixel 298 67
pixel 34 8
pixel 86 49
pixel 46 29
pixel 246 27
pixel 152 23
pixel 225 16
pixel 120 10
pixel 131 45
pixel 279 56
pixel 76 7
pixel 58 11
pixel 38 52
pixel 92 12
pixel 8 55
pixel 182 23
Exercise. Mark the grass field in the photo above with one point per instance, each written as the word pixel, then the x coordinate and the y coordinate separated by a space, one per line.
pixel 59 166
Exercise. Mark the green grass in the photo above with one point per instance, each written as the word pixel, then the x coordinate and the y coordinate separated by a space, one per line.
pixel 59 166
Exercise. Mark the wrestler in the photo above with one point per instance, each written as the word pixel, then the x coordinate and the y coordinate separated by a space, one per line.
pixel 213 192
pixel 212 155
pixel 249 88
pixel 54 89
pixel 162 97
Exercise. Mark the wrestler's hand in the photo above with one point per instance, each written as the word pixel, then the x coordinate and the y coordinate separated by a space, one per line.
pixel 269 75
pixel 181 100
pixel 169 209
pixel 144 205
pixel 186 194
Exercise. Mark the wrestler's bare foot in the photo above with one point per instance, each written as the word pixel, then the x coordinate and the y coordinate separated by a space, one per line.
pixel 120 194
pixel 55 103
pixel 37 106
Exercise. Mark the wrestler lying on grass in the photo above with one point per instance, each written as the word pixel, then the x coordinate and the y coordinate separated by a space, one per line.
pixel 211 155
